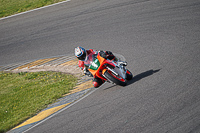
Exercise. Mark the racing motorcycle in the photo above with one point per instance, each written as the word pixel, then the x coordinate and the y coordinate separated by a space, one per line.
pixel 107 70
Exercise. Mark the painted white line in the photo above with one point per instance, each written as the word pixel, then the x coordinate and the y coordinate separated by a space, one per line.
pixel 35 9
pixel 62 109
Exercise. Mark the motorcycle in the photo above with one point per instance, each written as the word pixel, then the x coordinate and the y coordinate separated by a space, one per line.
pixel 107 70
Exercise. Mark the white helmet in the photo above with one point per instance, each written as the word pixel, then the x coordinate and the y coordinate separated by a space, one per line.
pixel 80 53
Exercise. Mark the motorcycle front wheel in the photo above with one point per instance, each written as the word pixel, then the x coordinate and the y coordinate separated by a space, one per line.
pixel 115 78
pixel 129 75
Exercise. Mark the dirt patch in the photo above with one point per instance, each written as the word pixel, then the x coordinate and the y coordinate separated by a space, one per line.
pixel 69 67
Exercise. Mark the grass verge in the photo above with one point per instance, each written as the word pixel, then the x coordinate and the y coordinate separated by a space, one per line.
pixel 10 7
pixel 23 95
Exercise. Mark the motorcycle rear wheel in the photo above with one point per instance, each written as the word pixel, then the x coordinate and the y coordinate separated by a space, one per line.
pixel 115 79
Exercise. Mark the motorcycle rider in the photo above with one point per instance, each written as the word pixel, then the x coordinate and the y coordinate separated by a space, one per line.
pixel 81 53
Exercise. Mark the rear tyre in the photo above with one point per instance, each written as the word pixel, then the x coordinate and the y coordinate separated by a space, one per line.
pixel 115 79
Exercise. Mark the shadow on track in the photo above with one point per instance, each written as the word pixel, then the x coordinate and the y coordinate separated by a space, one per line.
pixel 137 77
pixel 110 87
pixel 142 75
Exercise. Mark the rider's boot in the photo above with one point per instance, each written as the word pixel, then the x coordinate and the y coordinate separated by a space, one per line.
pixel 97 82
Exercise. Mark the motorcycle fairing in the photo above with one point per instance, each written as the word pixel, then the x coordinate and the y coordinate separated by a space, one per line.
pixel 100 62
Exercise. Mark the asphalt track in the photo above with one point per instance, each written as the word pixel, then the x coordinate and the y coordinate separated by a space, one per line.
pixel 160 40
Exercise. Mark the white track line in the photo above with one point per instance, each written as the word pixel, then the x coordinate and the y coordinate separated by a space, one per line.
pixel 35 9
pixel 62 110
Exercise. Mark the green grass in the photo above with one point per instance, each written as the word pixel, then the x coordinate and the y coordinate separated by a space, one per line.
pixel 23 95
pixel 10 7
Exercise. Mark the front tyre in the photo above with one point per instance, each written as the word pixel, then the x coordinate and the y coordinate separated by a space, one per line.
pixel 114 78
pixel 129 75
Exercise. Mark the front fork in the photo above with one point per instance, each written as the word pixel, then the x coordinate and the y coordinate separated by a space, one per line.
pixel 114 72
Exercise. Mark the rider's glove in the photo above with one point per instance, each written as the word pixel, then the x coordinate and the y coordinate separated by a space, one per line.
pixel 103 54
pixel 109 52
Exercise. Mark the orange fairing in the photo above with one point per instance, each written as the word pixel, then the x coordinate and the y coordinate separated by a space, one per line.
pixel 104 70
pixel 92 71
pixel 101 60
pixel 101 70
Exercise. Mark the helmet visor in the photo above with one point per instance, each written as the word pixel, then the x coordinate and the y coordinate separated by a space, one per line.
pixel 82 57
